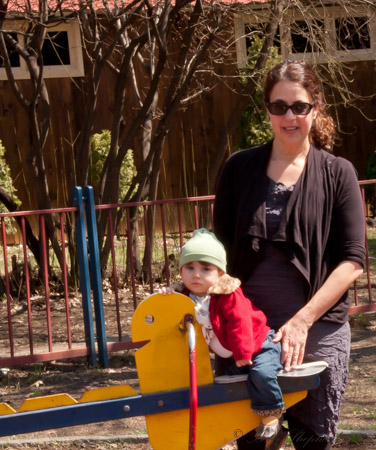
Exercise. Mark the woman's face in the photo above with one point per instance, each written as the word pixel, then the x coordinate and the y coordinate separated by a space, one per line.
pixel 290 129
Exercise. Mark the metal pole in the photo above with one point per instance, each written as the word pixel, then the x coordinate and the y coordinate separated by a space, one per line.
pixel 95 275
pixel 83 265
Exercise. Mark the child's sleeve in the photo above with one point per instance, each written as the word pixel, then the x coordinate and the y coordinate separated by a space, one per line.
pixel 239 327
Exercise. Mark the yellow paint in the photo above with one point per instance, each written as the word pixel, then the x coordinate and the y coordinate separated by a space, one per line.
pixel 108 393
pixel 163 364
pixel 6 409
pixel 48 401
pixel 217 425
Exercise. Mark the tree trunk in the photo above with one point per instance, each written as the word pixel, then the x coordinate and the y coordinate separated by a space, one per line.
pixel 37 165
pixel 31 241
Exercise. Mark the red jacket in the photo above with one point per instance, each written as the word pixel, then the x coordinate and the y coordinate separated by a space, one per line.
pixel 239 326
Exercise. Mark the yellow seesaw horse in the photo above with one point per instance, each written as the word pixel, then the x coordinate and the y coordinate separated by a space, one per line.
pixel 223 412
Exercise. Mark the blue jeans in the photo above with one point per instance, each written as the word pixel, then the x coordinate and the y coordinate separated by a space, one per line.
pixel 263 386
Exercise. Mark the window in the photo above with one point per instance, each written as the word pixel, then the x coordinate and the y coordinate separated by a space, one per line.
pixel 306 38
pixel 56 49
pixel 61 53
pixel 247 32
pixel 13 55
pixel 352 33
pixel 331 31
pixel 252 32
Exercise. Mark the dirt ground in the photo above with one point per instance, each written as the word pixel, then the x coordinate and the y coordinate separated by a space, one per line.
pixel 75 377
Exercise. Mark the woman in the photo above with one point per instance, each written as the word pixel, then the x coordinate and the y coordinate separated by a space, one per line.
pixel 291 218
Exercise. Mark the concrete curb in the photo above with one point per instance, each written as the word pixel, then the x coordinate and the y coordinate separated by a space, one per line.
pixel 136 438
pixel 368 433
pixel 131 438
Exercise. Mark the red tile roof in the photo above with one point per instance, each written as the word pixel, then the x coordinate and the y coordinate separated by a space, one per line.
pixel 22 5
pixel 69 5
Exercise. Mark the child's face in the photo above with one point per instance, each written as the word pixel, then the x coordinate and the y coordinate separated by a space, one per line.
pixel 198 277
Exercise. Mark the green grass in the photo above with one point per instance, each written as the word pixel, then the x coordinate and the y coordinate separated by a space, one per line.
pixel 371 239
pixel 354 439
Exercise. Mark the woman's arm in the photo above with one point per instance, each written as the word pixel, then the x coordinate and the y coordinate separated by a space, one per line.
pixel 293 334
pixel 347 244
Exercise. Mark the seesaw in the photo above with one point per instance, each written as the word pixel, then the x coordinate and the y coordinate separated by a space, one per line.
pixel 181 411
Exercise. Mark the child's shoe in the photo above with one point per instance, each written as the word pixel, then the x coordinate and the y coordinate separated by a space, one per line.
pixel 269 427
pixel 226 379
pixel 276 442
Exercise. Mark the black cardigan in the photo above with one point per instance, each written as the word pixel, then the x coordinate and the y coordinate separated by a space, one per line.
pixel 323 223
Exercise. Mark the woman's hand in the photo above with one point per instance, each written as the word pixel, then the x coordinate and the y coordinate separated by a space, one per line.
pixel 293 334
pixel 293 337
pixel 243 362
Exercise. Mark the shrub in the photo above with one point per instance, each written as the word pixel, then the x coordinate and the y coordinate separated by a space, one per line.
pixel 255 128
pixel 100 147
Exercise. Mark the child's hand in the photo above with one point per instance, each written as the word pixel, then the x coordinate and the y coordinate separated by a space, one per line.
pixel 243 362
pixel 165 290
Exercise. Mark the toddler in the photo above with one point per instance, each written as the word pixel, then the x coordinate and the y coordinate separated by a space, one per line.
pixel 232 326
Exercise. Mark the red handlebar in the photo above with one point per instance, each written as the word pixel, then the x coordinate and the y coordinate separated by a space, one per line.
pixel 193 398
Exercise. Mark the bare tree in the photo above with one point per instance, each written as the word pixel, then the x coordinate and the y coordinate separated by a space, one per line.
pixel 276 13
pixel 162 55
pixel 155 52
pixel 36 103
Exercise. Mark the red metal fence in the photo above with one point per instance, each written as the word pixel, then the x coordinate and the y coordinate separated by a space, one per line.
pixel 43 318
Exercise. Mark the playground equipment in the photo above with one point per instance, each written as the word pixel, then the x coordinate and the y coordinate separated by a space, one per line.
pixel 183 405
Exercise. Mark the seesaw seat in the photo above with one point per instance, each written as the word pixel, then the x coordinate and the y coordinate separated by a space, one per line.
pixel 304 376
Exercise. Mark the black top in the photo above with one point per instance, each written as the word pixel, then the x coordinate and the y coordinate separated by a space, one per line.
pixel 275 277
pixel 323 223
pixel 277 196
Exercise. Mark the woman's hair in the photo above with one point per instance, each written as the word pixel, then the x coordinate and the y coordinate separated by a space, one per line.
pixel 323 130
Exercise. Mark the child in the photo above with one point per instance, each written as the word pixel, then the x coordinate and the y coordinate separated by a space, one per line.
pixel 232 326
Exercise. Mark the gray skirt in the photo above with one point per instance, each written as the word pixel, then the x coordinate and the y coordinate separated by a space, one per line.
pixel 329 342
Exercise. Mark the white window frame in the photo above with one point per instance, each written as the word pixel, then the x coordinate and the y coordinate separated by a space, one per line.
pixel 74 69
pixel 326 13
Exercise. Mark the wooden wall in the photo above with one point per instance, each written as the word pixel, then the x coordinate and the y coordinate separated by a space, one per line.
pixel 67 116
pixel 189 146
pixel 357 123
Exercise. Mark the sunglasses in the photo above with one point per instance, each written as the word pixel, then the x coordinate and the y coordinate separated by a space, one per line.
pixel 297 108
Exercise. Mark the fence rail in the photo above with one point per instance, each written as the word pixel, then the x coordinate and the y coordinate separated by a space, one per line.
pixel 48 320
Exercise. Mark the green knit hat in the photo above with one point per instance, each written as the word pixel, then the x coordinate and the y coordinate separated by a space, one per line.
pixel 203 246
